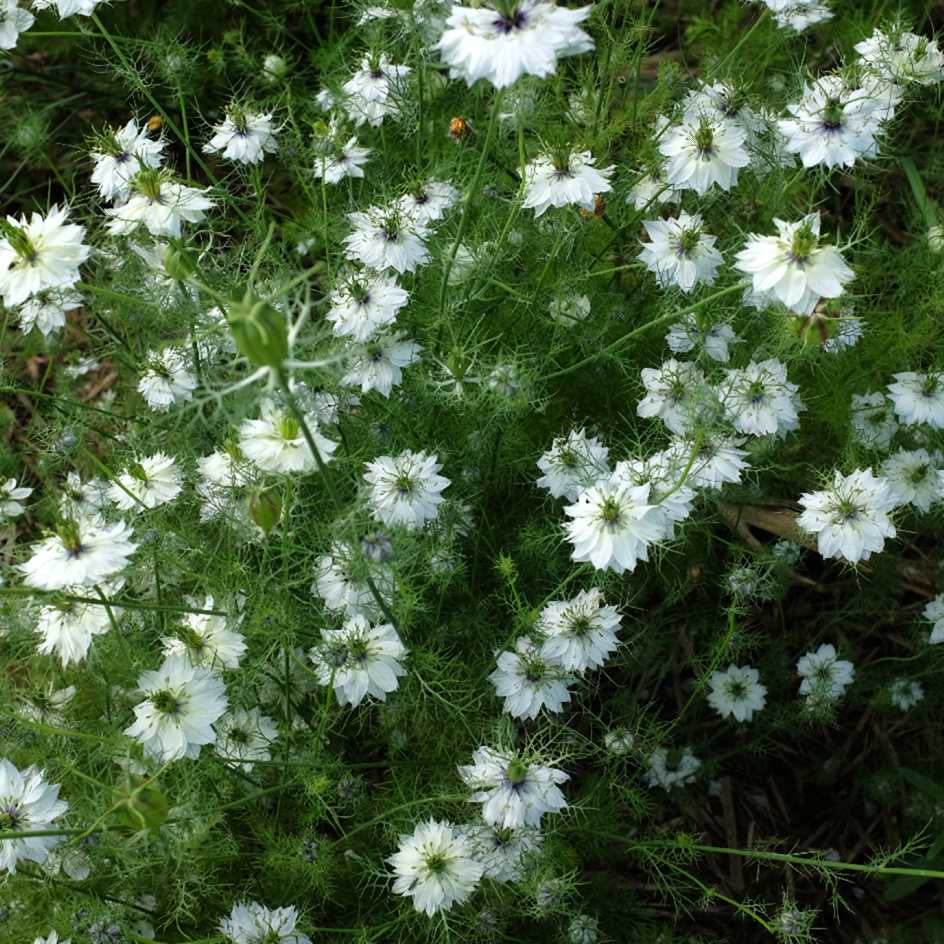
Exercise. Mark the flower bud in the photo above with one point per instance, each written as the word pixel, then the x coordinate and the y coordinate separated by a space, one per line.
pixel 258 330
pixel 265 509
pixel 179 261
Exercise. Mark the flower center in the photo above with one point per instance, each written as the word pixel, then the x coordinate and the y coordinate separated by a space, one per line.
pixel 11 817
pixel 804 242
pixel 166 703
pixel 21 243
pixel 832 115
pixel 610 512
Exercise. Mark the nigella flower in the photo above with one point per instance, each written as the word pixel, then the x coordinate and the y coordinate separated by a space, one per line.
pixel 850 518
pixel 276 443
pixel 900 56
pixel 46 705
pixel 670 491
pixel 13 21
pixel 580 633
pixel 825 677
pixel 428 202
pixel 652 189
pixel 68 7
pixel 67 629
pixel 244 737
pixel 569 309
pixel 514 791
pixel 799 14
pixel 680 252
pixel 222 474
pixel 529 682
pixel 915 477
pixel 27 804
pixel 689 333
pixel 346 160
pixel 934 612
pixel 405 489
pixel 383 239
pixel 904 694
pixel 168 379
pixel 848 331
pixel 737 692
pixel 873 420
pixel 701 153
pixel 160 204
pixel 919 398
pixel 252 923
pixel 573 463
pixel 153 481
pixel 206 640
pixel 364 303
pixel 341 583
pixel 718 459
pixel 435 866
pixel 676 393
pixel 119 155
pixel 373 91
pixel 502 851
pixel 11 497
pixel 244 137
pixel 672 768
pixel 378 364
pixel 558 181
pixel 760 400
pixel 47 310
pixel 793 265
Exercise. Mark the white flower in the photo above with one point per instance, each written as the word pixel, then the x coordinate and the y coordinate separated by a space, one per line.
pixel 11 496
pixel 718 459
pixel 383 239
pixel 27 804
pixel 873 422
pixel 557 182
pixel 435 866
pixel 676 393
pixel 799 14
pixel 915 477
pixel 275 442
pixel 378 364
pixel 160 204
pixel 67 629
pixel 529 682
pixel 652 189
pixel 359 660
pixel 903 57
pixel 168 379
pixel 850 519
pixel 84 552
pixel 78 499
pixel 668 493
pixel 364 304
pixel 405 489
pixel 428 202
pixel 153 481
pixel 372 92
pixel 13 21
pixel 570 309
pixel 760 401
pixel 687 334
pixel 919 398
pixel 120 156
pixel 737 692
pixel 675 768
pixel 244 137
pixel 934 611
pixel 176 718
pixel 347 160
pixel 825 677
pixel 583 929
pixel 47 310
pixel 703 152
pixel 252 923
pixel 502 851
pixel 244 736
pixel 221 475
pixel 680 252
pixel 572 464
pixel 904 694
pixel 53 936
pixel 613 525
pixel 793 266
pixel 46 705
pixel 274 67
pixel 343 586
pixel 848 331
pixel 579 634
pixel 41 253
pixel 68 7
pixel 206 640
pixel 619 741
pixel 527 39
pixel 513 791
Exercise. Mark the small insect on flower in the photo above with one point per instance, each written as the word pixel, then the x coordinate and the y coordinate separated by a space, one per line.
pixel 563 180
pixel 27 804
pixel 458 128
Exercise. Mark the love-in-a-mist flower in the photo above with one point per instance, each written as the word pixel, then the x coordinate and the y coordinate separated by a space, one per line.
pixel 737 692
pixel 714 339
pixel 68 7
pixel 384 239
pixel 553 180
pixel 252 923
pixel 341 582
pixel 153 481
pixel 428 202
pixel 405 489
pixel 915 476
pixel 934 613
pixel 760 400
pixel 526 37
pixel 798 15
pixel 514 790
pixel 572 464
pixel 904 694
pixel 83 552
pixel 580 633
pixel 529 682
pixel 39 253
pixel 569 309
pixel 850 518
pixel 160 204
pixel 670 491
pixel 374 91
pixel 207 640
pixel 704 152
pixel 712 459
pixel 378 364
pixel 177 715
pixel 47 310
pixel 672 768
pixel 119 154
pixel 435 866
pixel 919 398
pixel 364 303
pixel 66 629
pixel 502 851
pixel 825 676
pixel 613 525
pixel 680 252
pixel 11 499
pixel 335 162
pixel 276 442
pixel 676 393
pixel 899 56
pixel 168 379
pixel 13 21
pixel 27 804
pixel 359 660
pixel 243 136
pixel 244 736
pixel 793 266
pixel 873 420
pixel 652 190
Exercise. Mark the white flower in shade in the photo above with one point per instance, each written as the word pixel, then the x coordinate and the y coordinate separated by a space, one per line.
pixel 27 804
pixel 53 936
pixel 374 90
pixel 378 364
pixel 502 851
pixel 676 393
pixel 244 137
pixel 68 7
pixel 245 736
pixel 847 333
pixel 525 38
pixel 347 160
pixel 13 21
pixel 46 705
pixel 405 489
pixel 707 151
pixel 252 923
pixel 435 866
pixel 11 497
pixel 364 304
pixel 919 398
pixel 222 474
pixel 688 334
pixel 904 694
pixel 569 310
pixel 849 519
pixel 825 677
pixel 572 464
pixel 873 421
pixel 428 203
pixel 760 401
pixel 67 629
pixel 340 581
pixel 613 525
pixel 78 499
pixel 168 380
pixel 383 239
pixel 583 929
pixel 275 442
pixel 359 660
pixel 176 718
pixel 159 204
pixel 153 481
pixel 274 67
pixel 798 15
pixel 619 741
pixel 41 253
pixel 85 551
pixel 718 459
pixel 652 190
pixel 680 252
pixel 737 692
pixel 671 768
pixel 934 612
pixel 668 493
pixel 793 266
pixel 555 181
pixel 47 310
pixel 916 477
pixel 513 790
pixel 900 56
pixel 206 640
pixel 580 633
pixel 119 155
pixel 529 682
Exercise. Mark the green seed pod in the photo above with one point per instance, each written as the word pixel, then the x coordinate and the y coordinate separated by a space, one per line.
pixel 258 329
pixel 265 508
pixel 179 261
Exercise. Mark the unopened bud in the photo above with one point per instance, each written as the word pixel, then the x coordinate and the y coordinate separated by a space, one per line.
pixel 265 509
pixel 179 261
pixel 258 330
